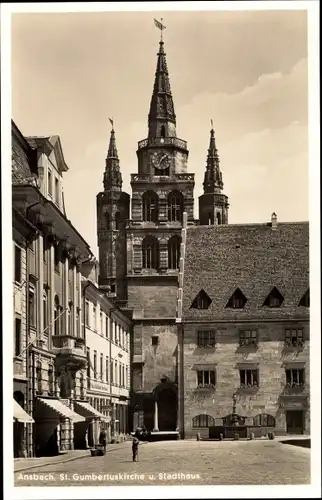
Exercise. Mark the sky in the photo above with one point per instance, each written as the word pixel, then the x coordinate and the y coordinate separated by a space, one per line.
pixel 245 70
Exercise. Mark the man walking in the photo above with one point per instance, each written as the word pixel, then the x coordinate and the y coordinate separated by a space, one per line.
pixel 135 449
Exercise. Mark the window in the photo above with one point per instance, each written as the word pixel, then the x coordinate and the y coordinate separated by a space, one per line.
pixel 78 329
pixel 71 319
pixel 295 377
pixel 206 338
pixel 264 420
pixel 126 377
pixel 88 366
pixel 82 386
pixel 116 381
pixel 305 300
pixel 247 337
pixel 174 252
pixel 112 372
pixel 123 376
pixel 17 336
pixel 94 317
pixel 101 324
pixel 155 340
pixel 116 333
pixel 237 300
pixel 87 313
pixel 175 206
pixel 57 258
pixel 162 132
pixel 218 216
pixel 17 258
pixel 206 378
pixel 39 377
pixel 32 308
pixel 201 301
pixel 248 378
pixel 45 313
pixel 150 202
pixel 50 183
pixel 101 366
pixel 274 298
pixel 56 316
pixel 150 253
pixel 50 380
pixel 120 375
pixel 203 421
pixel 107 367
pixel 294 337
pixel 232 419
pixel 95 364
pixel 107 332
pixel 56 191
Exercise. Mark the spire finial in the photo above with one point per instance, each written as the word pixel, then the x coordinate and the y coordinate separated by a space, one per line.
pixel 161 26
pixel 211 123
pixel 112 123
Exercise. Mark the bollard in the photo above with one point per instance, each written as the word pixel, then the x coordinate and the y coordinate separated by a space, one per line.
pixel 198 436
pixel 236 436
pixel 252 436
pixel 271 435
pixel 221 437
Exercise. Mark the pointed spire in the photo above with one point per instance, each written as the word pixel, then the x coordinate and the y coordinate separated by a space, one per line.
pixel 162 118
pixel 112 174
pixel 213 177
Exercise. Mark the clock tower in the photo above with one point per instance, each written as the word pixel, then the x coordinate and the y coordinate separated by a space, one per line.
pixel 162 189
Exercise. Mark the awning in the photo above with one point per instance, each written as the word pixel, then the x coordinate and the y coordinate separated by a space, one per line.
pixel 62 410
pixel 20 415
pixel 87 410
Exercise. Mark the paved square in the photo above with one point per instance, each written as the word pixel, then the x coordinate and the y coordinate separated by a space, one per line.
pixel 181 463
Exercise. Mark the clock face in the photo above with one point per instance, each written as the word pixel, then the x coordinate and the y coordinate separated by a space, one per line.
pixel 161 160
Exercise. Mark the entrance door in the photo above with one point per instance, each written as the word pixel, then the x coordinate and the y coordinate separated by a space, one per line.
pixel 295 422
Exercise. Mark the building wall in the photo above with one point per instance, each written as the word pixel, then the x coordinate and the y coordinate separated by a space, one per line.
pixel 19 307
pixel 272 358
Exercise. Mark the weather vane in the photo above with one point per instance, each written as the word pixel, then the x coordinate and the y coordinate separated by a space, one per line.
pixel 160 26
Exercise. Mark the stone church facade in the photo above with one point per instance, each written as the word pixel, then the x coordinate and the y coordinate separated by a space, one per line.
pixel 139 255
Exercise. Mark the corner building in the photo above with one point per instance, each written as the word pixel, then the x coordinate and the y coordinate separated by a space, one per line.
pixel 139 256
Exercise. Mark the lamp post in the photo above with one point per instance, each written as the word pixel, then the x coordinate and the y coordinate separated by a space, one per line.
pixel 234 409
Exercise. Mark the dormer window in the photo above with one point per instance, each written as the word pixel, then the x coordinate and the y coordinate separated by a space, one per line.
pixel 237 300
pixel 274 298
pixel 305 300
pixel 201 301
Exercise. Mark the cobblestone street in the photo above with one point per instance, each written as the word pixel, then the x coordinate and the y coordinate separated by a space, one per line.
pixel 180 462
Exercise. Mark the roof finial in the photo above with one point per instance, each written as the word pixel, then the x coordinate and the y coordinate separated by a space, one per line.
pixel 112 123
pixel 211 124
pixel 160 26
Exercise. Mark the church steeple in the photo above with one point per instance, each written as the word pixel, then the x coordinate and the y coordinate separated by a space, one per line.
pixel 213 182
pixel 112 174
pixel 213 204
pixel 162 118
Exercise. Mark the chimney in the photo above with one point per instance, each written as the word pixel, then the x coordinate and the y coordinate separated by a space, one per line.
pixel 274 221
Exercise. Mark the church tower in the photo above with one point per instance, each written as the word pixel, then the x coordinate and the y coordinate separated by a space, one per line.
pixel 213 204
pixel 112 215
pixel 162 189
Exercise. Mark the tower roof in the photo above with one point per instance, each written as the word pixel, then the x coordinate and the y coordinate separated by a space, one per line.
pixel 112 174
pixel 213 177
pixel 161 107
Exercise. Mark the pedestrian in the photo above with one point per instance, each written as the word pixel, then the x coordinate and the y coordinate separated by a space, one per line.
pixel 135 449
pixel 102 439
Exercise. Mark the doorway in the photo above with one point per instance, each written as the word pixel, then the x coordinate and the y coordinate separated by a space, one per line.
pixel 167 410
pixel 295 422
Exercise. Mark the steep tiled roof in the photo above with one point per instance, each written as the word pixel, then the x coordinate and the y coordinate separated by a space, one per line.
pixel 24 158
pixel 254 258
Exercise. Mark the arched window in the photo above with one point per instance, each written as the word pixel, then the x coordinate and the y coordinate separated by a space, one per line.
pixel 264 420
pixel 150 253
pixel 150 206
pixel 174 252
pixel 163 131
pixel 175 206
pixel 210 219
pixel 57 316
pixel 203 421
pixel 218 215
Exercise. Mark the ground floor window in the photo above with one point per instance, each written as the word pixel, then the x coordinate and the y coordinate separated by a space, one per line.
pixel 264 420
pixel 203 421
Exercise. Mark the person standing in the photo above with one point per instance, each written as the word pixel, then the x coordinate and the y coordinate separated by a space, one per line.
pixel 102 439
pixel 135 449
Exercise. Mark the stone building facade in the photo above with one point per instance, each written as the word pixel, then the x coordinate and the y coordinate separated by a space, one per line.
pixel 55 353
pixel 243 328
pixel 107 333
